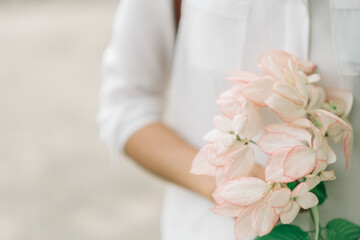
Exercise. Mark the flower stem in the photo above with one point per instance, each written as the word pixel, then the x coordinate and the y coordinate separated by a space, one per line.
pixel 315 216
pixel 253 142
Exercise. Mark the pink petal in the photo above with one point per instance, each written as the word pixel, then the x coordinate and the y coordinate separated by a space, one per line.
pixel 317 98
pixel 348 142
pixel 285 208
pixel 220 179
pixel 242 76
pixel 217 194
pixel 289 216
pixel 214 159
pixel 239 163
pixel 279 198
pixel 227 210
pixel 331 123
pixel 300 84
pixel 274 168
pixel 213 136
pixel 258 90
pixel 243 227
pixel 289 92
pixel 238 123
pixel 245 191
pixel 223 123
pixel 300 161
pixel 328 175
pixel 200 165
pixel 339 95
pixel 299 190
pixel 307 200
pixel 271 142
pixel 331 156
pixel 313 78
pixel 313 181
pixel 254 124
pixel 284 108
pixel 320 166
pixel 264 219
pixel 229 108
pixel 297 132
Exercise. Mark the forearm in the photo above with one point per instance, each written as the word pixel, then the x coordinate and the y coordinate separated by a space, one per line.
pixel 159 150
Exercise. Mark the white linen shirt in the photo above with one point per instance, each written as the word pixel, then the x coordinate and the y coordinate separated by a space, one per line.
pixel 146 69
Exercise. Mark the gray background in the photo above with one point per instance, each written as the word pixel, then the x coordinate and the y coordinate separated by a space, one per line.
pixel 56 180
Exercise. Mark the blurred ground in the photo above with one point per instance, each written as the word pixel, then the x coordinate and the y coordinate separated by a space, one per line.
pixel 56 181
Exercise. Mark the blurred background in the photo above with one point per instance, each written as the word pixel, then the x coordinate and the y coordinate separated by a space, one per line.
pixel 56 180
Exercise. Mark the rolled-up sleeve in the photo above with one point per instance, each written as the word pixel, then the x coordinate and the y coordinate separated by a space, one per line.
pixel 136 68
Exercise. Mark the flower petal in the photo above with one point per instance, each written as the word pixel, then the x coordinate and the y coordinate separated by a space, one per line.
pixel 299 190
pixel 264 218
pixel 274 168
pixel 300 161
pixel 239 163
pixel 241 76
pixel 348 142
pixel 313 181
pixel 297 132
pixel 200 165
pixel 279 198
pixel 258 90
pixel 243 228
pixel 238 123
pixel 254 124
pixel 289 216
pixel 317 98
pixel 307 200
pixel 289 92
pixel 342 97
pixel 328 175
pixel 227 210
pixel 271 142
pixel 287 110
pixel 224 124
pixel 245 191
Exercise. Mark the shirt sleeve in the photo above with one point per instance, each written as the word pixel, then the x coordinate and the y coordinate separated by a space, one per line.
pixel 136 67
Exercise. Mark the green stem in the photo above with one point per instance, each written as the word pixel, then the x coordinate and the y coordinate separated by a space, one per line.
pixel 253 142
pixel 315 216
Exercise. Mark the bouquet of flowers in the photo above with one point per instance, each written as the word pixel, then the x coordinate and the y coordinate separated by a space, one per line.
pixel 298 149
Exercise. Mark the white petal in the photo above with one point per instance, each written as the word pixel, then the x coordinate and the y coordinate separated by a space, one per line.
pixel 300 189
pixel 227 210
pixel 245 191
pixel 279 198
pixel 271 142
pixel 264 219
pixel 200 164
pixel 239 163
pixel 243 228
pixel 223 123
pixel 300 162
pixel 289 216
pixel 307 200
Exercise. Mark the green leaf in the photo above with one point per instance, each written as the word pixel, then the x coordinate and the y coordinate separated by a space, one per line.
pixel 285 232
pixel 341 229
pixel 292 185
pixel 320 192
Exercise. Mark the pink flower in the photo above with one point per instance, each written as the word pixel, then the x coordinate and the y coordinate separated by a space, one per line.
pixel 279 63
pixel 294 98
pixel 247 198
pixel 292 151
pixel 319 174
pixel 288 203
pixel 338 102
pixel 336 128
